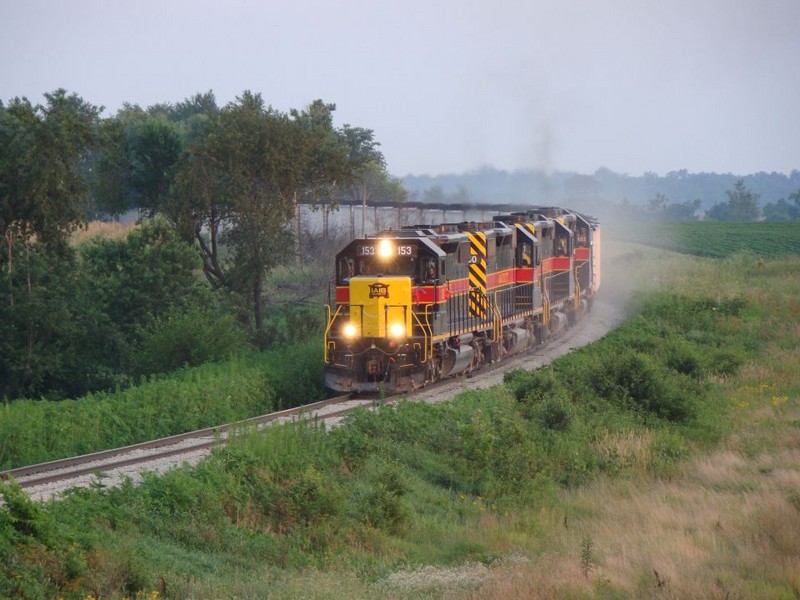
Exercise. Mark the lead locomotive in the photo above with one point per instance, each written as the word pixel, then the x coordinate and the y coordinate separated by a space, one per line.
pixel 429 301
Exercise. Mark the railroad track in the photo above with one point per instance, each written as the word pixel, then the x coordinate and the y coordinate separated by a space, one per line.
pixel 110 467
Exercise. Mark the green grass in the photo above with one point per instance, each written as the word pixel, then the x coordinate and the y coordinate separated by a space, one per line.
pixel 715 239
pixel 667 447
pixel 33 431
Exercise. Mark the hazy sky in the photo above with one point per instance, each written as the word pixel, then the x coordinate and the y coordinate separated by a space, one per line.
pixel 449 86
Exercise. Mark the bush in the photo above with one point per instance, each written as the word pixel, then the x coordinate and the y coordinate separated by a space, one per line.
pixel 685 358
pixel 35 431
pixel 379 502
pixel 33 556
pixel 297 373
pixel 533 385
pixel 186 339
pixel 287 323
pixel 725 362
pixel 636 382
pixel 554 413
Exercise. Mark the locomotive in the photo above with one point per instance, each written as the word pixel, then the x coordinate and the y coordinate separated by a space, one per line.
pixel 424 302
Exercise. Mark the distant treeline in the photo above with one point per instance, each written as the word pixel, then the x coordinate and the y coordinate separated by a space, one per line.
pixel 603 188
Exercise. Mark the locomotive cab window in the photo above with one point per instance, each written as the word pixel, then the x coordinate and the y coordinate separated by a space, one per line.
pixel 346 269
pixel 563 245
pixel 464 254
pixel 526 254
pixel 430 271
pixel 371 266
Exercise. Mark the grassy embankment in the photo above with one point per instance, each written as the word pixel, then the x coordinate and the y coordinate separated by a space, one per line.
pixel 246 385
pixel 254 383
pixel 659 462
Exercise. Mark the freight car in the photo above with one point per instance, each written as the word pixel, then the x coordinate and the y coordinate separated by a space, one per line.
pixel 417 304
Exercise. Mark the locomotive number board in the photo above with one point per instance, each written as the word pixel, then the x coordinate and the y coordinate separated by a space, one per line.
pixel 404 250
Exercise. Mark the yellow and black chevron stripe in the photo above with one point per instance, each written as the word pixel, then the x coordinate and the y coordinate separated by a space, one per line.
pixel 529 226
pixel 478 301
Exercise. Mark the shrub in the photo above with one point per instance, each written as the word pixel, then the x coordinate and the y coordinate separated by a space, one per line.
pixel 35 431
pixel 380 501
pixel 186 339
pixel 297 373
pixel 533 385
pixel 314 496
pixel 33 554
pixel 725 361
pixel 636 382
pixel 684 357
pixel 289 323
pixel 554 413
pixel 669 448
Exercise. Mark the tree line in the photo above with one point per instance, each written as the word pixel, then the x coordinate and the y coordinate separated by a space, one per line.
pixel 218 188
pixel 691 194
pixel 742 205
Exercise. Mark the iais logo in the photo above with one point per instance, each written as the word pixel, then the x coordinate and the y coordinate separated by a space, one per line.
pixel 379 290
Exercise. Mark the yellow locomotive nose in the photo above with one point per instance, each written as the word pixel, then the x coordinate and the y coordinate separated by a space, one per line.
pixel 381 306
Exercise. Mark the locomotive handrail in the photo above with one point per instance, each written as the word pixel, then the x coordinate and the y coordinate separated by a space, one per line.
pixel 576 303
pixel 428 335
pixel 545 302
pixel 328 328
pixel 498 319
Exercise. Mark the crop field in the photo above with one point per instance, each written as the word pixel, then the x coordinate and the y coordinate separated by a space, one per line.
pixel 716 239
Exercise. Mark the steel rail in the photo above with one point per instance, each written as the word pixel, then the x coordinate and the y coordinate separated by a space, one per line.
pixel 106 460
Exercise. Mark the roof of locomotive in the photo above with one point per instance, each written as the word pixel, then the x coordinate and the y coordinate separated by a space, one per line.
pixel 425 239
pixel 433 235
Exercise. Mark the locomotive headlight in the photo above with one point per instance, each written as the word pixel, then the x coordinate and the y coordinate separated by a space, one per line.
pixel 385 249
pixel 350 330
pixel 397 330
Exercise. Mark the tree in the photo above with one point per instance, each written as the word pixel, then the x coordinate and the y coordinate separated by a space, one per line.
pixel 742 205
pixel 43 150
pixel 42 147
pixel 143 277
pixel 780 211
pixel 155 149
pixel 240 183
pixel 783 210
pixel 326 160
pixel 110 172
pixel 141 151
pixel 657 203
pixel 366 161
pixel 460 195
pixel 70 322
pixel 374 184
pixel 683 211
pixel 582 187
pixel 434 195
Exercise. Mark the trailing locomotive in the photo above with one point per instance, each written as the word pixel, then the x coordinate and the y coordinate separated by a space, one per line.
pixel 429 301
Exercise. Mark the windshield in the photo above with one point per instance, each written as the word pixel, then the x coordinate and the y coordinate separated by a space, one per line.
pixel 420 270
